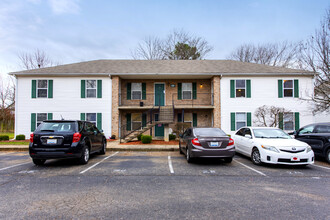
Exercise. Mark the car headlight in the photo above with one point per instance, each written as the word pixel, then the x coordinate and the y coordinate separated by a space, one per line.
pixel 271 148
pixel 308 149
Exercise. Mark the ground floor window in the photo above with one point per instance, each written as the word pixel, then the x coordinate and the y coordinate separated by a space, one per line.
pixel 289 121
pixel 240 119
pixel 95 118
pixel 136 121
pixel 38 118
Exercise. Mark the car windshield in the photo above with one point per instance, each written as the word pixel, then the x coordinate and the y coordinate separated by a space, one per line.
pixel 209 132
pixel 57 127
pixel 270 133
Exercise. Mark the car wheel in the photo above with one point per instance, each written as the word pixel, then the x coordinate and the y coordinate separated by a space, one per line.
pixel 188 157
pixel 180 149
pixel 327 156
pixel 228 159
pixel 85 156
pixel 256 157
pixel 104 147
pixel 39 161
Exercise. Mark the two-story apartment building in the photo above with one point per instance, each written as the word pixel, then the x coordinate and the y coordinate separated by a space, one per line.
pixel 157 97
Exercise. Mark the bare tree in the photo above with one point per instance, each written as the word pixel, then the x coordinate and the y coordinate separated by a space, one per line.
pixel 34 60
pixel 273 54
pixel 314 56
pixel 7 102
pixel 268 116
pixel 154 48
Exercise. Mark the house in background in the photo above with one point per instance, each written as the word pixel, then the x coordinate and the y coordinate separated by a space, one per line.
pixel 129 97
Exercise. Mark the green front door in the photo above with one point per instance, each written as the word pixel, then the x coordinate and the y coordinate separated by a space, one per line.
pixel 159 128
pixel 159 94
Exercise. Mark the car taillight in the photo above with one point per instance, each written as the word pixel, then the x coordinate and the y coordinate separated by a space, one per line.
pixel 195 141
pixel 231 142
pixel 76 137
pixel 31 138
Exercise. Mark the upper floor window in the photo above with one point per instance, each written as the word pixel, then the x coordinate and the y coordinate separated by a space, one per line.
pixel 288 88
pixel 186 90
pixel 240 88
pixel 136 91
pixel 42 88
pixel 91 88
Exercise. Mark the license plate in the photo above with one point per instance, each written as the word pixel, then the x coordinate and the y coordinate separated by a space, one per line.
pixel 51 141
pixel 295 159
pixel 214 144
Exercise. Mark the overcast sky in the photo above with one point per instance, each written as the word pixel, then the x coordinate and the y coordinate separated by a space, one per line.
pixel 79 30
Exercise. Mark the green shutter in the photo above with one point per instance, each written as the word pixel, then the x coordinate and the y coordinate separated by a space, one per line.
pixel 50 116
pixel 280 120
pixel 296 121
pixel 144 91
pixel 50 89
pixel 128 122
pixel 82 116
pixel 194 119
pixel 248 118
pixel 99 88
pixel 296 88
pixel 144 120
pixel 33 122
pixel 232 121
pixel 129 89
pixel 83 88
pixel 99 121
pixel 179 117
pixel 280 88
pixel 34 89
pixel 232 88
pixel 194 85
pixel 248 88
pixel 179 91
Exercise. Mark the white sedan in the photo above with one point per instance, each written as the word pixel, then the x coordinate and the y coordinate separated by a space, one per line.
pixel 272 145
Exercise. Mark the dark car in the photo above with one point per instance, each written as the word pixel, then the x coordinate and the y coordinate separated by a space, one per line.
pixel 206 142
pixel 318 137
pixel 65 139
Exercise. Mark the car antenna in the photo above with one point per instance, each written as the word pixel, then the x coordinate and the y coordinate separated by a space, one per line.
pixel 62 118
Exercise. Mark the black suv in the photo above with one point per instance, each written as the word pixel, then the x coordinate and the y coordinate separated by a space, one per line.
pixel 56 139
pixel 318 137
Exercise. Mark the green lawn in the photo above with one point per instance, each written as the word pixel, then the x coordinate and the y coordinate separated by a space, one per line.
pixel 10 134
pixel 14 142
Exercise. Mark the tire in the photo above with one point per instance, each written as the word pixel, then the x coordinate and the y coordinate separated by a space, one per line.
pixel 228 159
pixel 327 156
pixel 39 162
pixel 255 157
pixel 104 148
pixel 180 149
pixel 188 157
pixel 84 156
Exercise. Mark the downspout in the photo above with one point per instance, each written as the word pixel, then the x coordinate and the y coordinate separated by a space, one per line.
pixel 16 103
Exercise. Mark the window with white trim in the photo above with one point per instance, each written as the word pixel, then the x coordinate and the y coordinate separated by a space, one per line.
pixel 288 88
pixel 136 92
pixel 240 120
pixel 240 87
pixel 136 121
pixel 186 90
pixel 91 88
pixel 42 88
pixel 91 117
pixel 41 117
pixel 288 121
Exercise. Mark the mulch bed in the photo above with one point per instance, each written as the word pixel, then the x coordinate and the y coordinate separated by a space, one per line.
pixel 109 140
pixel 154 142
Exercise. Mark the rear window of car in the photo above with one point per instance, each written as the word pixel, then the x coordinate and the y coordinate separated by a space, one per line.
pixel 209 132
pixel 57 127
pixel 322 129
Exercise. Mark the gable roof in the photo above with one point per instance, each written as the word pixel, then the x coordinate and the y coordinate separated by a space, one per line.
pixel 123 67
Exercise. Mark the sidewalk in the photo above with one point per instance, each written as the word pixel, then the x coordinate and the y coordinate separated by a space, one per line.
pixel 111 146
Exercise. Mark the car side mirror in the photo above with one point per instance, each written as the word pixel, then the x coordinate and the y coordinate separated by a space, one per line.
pixel 95 132
pixel 180 135
pixel 248 136
pixel 101 131
pixel 293 133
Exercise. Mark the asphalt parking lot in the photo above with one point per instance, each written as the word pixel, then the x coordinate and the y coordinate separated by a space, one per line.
pixel 157 185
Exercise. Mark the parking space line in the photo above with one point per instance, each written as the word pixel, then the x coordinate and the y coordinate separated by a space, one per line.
pixel 321 166
pixel 257 171
pixel 98 163
pixel 170 164
pixel 16 165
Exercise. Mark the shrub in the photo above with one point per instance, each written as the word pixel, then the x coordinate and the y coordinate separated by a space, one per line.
pixel 113 136
pixel 139 137
pixel 20 137
pixel 172 137
pixel 146 139
pixel 4 137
